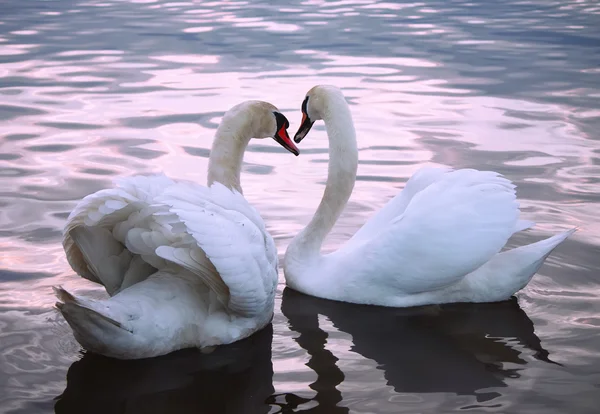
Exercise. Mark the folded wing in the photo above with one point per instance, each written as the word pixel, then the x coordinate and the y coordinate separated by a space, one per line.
pixel 231 235
pixel 448 229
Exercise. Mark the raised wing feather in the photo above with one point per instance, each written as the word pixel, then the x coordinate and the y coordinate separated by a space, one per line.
pixel 232 235
pixel 450 228
pixel 147 223
pixel 103 221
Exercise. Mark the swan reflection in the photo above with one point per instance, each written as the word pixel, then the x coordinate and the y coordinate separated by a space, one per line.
pixel 463 349
pixel 236 378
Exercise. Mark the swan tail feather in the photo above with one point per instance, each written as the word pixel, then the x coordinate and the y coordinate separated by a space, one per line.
pixel 74 308
pixel 510 271
pixel 92 328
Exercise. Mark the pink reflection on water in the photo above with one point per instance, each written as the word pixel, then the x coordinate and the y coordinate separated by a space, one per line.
pixel 391 118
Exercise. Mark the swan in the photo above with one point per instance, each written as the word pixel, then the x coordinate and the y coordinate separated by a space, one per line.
pixel 438 241
pixel 184 265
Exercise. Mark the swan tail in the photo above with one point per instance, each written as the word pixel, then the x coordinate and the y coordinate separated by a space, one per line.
pixel 105 257
pixel 92 328
pixel 510 271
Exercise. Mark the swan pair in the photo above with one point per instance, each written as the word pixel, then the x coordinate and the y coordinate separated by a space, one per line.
pixel 193 266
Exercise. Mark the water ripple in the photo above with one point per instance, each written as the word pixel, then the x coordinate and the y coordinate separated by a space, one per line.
pixel 94 90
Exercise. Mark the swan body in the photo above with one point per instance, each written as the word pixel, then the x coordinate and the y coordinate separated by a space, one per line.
pixel 437 241
pixel 184 265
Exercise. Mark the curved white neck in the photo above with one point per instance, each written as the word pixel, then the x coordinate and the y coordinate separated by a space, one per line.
pixel 226 156
pixel 343 163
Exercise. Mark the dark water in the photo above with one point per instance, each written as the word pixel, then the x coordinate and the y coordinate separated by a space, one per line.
pixel 93 90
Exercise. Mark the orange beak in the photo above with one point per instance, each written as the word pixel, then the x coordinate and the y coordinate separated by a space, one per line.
pixel 285 141
pixel 305 126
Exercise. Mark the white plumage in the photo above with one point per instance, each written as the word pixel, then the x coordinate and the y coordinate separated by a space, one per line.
pixel 185 265
pixel 437 241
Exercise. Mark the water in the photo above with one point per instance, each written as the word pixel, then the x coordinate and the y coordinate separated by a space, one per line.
pixel 92 90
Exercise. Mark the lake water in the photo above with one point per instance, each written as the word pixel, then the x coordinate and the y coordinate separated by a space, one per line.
pixel 91 90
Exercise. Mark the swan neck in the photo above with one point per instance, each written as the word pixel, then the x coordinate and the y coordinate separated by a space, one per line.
pixel 343 163
pixel 226 156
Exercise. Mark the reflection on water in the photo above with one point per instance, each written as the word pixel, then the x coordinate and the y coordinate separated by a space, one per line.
pixel 459 349
pixel 233 379
pixel 95 89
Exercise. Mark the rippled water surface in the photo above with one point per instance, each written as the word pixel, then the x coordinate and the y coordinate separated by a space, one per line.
pixel 91 90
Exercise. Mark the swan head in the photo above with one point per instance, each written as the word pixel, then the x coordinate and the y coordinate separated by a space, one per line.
pixel 259 119
pixel 317 104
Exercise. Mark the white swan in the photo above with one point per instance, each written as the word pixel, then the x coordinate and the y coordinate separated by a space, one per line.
pixel 185 265
pixel 438 241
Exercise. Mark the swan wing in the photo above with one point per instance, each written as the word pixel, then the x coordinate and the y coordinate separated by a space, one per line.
pixel 450 228
pixel 396 206
pixel 230 233
pixel 96 239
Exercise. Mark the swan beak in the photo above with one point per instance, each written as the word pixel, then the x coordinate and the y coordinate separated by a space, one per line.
pixel 285 141
pixel 305 126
